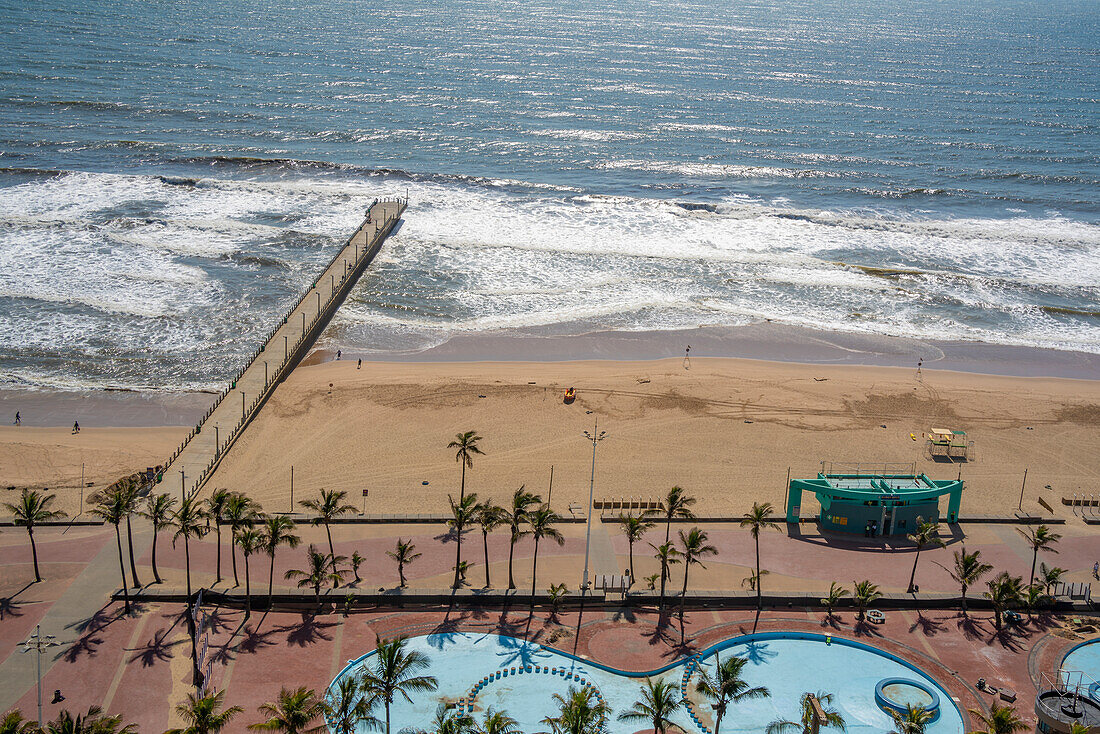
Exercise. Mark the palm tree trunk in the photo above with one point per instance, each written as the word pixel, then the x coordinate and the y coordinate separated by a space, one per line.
pixel 233 555
pixel 485 541
pixel 122 568
pixel 661 602
pixel 387 716
pixel 964 599
pixel 247 591
pixel 511 550
pixel 631 544
pixel 534 569
pixel 1034 557
pixel 401 573
pixel 156 574
pixel 759 581
pixel 34 555
pixel 461 496
pixel 196 676
pixel 717 721
pixel 218 530
pixel 458 554
pixel 913 575
pixel 130 543
pixel 270 580
pixel 332 555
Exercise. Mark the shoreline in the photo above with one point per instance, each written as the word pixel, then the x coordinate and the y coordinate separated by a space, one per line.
pixel 758 342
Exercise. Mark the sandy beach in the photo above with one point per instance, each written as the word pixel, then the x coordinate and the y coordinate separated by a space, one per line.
pixel 726 430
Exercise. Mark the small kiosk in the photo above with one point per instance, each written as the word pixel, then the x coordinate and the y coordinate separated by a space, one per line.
pixel 950 444
pixel 851 501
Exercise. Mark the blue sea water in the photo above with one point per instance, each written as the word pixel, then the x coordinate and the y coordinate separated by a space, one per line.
pixel 174 173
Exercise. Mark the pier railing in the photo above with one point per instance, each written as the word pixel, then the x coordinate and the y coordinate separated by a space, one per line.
pixel 382 216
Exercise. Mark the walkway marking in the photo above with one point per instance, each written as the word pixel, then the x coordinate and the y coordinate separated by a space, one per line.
pixel 920 635
pixel 135 638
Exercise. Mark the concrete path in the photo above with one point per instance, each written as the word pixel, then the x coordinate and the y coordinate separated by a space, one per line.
pixel 82 601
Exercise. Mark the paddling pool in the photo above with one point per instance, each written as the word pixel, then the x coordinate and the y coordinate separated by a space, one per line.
pixel 478 670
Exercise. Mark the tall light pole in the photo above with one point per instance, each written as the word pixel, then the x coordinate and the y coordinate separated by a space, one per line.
pixel 595 437
pixel 39 642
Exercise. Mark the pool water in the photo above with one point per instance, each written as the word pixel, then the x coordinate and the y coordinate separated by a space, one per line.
pixel 906 695
pixel 1084 658
pixel 788 664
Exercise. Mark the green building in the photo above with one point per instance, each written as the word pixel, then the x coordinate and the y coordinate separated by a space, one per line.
pixel 849 502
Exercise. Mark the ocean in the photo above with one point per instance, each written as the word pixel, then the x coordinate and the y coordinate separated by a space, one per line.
pixel 173 174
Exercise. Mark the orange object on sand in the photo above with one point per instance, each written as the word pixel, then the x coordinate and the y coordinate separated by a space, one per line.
pixel 570 396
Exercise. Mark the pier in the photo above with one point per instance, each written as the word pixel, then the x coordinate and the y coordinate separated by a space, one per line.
pixel 284 347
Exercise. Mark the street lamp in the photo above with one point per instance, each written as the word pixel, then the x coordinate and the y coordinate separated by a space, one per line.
pixel 39 642
pixel 217 442
pixel 595 437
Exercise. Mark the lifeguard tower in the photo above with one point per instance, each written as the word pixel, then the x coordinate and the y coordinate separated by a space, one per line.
pixel 891 495
pixel 948 444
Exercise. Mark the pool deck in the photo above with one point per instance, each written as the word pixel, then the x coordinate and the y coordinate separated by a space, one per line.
pixel 126 663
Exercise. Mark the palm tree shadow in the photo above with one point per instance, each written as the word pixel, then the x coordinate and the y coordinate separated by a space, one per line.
pixel 445 632
pixel 863 628
pixel 660 635
pixel 624 614
pixel 9 607
pixel 758 653
pixel 157 649
pixel 971 628
pixel 309 631
pixel 1010 638
pixel 928 626
pixel 832 620
pixel 88 629
pixel 252 639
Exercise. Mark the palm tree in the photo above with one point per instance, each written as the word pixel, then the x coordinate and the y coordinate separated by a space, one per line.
pixel 556 593
pixel 33 508
pixel 498 722
pixel 251 541
pixel 465 445
pixel 580 711
pixel 240 512
pixel 396 671
pixel 112 508
pixel 836 593
pixel 927 533
pixel 1040 539
pixel 327 508
pixel 809 722
pixel 968 571
pixel 13 723
pixel 188 521
pixel 694 546
pixel 864 594
pixel 347 707
pixel 489 517
pixel 677 504
pixel 756 519
pixel 515 517
pixel 293 713
pixel 1000 720
pixel 634 527
pixel 912 720
pixel 1004 592
pixel 129 488
pixel 215 510
pixel 667 554
pixel 449 722
pixel 93 722
pixel 356 562
pixel 158 511
pixel 660 700
pixel 542 526
pixel 463 513
pixel 320 568
pixel 404 553
pixel 726 686
pixel 204 715
pixel 1050 576
pixel 277 530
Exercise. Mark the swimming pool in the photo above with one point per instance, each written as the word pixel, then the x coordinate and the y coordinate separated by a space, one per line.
pixel 521 677
pixel 1085 658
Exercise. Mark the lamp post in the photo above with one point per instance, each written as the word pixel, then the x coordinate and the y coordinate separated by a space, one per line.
pixel 242 406
pixel 217 442
pixel 595 437
pixel 39 642
pixel 183 485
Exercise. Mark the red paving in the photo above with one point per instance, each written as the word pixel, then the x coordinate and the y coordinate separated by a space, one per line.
pixel 139 665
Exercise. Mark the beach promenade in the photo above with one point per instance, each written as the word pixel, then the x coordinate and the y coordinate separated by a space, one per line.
pixel 286 344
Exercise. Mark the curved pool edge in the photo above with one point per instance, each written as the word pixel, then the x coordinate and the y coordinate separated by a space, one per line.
pixel 718 647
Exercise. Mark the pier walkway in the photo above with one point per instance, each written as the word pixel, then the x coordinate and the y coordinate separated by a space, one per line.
pixel 285 345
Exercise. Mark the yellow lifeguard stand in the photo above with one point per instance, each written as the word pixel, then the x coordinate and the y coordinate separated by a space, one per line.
pixel 950 444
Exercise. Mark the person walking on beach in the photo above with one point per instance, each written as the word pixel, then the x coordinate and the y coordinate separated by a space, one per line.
pixel 338 355
pixel 18 420
pixel 920 363
pixel 1096 570
pixel 76 426
pixel 360 365
pixel 687 358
